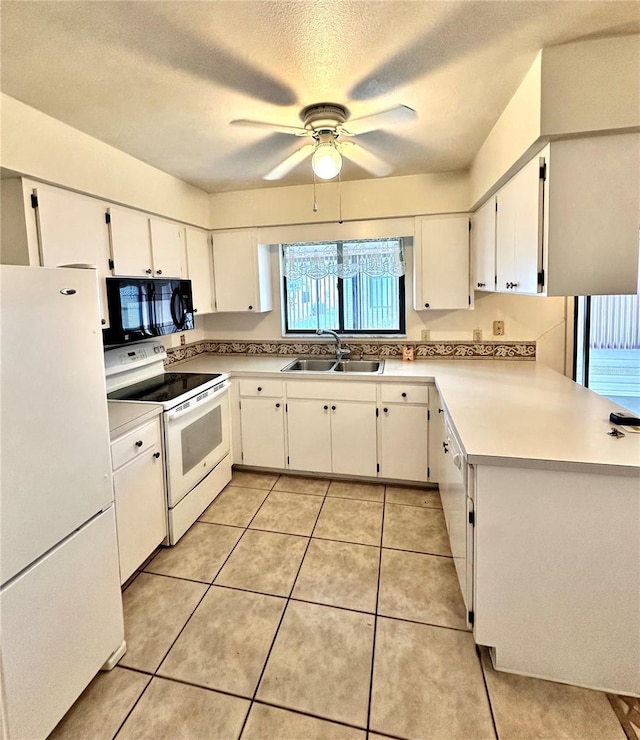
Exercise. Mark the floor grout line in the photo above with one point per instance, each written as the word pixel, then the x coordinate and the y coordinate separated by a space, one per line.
pixel 486 688
pixel 284 611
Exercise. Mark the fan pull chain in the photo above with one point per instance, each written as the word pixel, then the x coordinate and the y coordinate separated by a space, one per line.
pixel 339 198
pixel 315 201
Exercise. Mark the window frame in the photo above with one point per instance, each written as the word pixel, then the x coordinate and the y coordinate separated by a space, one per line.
pixel 402 314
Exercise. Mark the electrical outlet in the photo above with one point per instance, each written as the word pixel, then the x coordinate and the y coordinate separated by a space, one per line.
pixel 498 328
pixel 426 335
pixel 477 335
pixel 183 340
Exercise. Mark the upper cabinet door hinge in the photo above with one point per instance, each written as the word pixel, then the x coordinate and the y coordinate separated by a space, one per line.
pixel 377 467
pixel 541 278
pixel 34 200
pixel 543 171
pixel 428 472
pixel 472 518
pixel 112 265
pixel 469 224
pixel 471 617
pixel 107 217
pixel 428 415
pixel 377 411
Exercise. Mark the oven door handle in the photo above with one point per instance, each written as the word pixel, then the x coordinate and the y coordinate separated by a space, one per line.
pixel 177 413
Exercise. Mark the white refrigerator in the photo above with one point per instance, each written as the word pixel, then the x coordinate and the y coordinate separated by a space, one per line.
pixel 60 599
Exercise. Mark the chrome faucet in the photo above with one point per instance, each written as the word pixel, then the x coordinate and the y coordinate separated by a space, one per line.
pixel 341 352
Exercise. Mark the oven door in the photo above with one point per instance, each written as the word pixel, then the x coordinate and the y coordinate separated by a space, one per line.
pixel 196 440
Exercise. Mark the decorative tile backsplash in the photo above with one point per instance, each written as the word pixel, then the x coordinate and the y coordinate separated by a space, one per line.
pixel 423 350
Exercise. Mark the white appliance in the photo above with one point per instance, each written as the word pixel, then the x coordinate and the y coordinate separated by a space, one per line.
pixel 457 505
pixel 195 424
pixel 60 599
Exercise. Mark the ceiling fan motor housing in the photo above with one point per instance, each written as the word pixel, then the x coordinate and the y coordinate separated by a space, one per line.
pixel 323 116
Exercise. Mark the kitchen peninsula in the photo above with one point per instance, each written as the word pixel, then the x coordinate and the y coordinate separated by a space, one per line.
pixel 553 509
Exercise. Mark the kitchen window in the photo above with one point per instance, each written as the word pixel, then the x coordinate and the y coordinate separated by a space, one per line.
pixel 351 287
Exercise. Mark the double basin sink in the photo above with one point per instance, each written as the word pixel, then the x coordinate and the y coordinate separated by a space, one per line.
pixel 335 366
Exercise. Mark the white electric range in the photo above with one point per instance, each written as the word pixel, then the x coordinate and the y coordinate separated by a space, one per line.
pixel 195 425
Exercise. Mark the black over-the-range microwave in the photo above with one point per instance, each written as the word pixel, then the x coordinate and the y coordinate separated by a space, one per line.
pixel 142 308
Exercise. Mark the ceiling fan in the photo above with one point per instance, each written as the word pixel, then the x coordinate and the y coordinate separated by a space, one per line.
pixel 327 124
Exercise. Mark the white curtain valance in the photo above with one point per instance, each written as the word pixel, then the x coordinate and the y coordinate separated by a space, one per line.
pixel 317 260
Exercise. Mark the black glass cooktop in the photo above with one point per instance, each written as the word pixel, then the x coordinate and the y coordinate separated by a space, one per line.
pixel 163 387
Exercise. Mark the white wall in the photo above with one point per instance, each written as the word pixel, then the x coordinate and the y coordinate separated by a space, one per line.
pixel 387 197
pixel 525 318
pixel 36 145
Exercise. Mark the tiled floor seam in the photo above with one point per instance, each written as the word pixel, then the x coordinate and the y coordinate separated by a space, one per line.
pixel 284 611
pixel 486 688
pixel 375 618
pixel 135 704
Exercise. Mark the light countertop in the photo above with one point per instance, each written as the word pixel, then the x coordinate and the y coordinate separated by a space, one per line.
pixel 504 412
pixel 125 416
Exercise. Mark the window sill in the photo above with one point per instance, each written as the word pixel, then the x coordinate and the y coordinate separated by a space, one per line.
pixel 350 337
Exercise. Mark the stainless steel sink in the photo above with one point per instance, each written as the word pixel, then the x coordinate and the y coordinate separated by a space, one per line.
pixel 310 366
pixel 359 366
pixel 331 366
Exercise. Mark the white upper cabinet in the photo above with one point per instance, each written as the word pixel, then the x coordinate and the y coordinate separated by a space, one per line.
pixel 519 230
pixel 441 263
pixel 241 271
pixel 130 242
pixel 567 222
pixel 72 232
pixel 167 249
pixel 145 247
pixel 200 269
pixel 483 246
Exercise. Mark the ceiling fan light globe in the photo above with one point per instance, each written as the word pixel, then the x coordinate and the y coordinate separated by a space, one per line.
pixel 326 161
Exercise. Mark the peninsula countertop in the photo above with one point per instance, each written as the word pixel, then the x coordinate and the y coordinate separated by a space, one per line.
pixel 504 412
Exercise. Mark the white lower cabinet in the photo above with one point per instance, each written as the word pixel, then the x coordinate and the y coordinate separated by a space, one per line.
pixel 404 442
pixel 138 481
pixel 262 421
pixel 309 433
pixel 353 438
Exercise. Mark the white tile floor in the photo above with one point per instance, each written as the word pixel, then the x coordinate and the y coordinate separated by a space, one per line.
pixel 305 608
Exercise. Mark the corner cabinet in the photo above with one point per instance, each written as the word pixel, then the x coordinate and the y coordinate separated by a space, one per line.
pixel 441 263
pixel 241 269
pixel 566 223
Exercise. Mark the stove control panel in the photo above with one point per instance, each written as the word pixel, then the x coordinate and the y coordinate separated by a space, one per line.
pixel 133 357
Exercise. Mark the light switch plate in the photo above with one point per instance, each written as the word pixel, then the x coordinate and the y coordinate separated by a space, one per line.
pixel 477 335
pixel 426 335
pixel 498 328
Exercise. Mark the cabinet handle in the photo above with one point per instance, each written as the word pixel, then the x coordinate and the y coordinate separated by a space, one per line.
pixel 277 405
pixel 426 305
pixel 250 308
pixel 441 411
pixel 326 408
pixel 195 310
pixel 148 271
pixel 259 388
pixel 156 455
pixel 139 443
pixel 481 285
pixel 404 395
pixel 446 446
pixel 103 321
pixel 333 408
pixel 158 272
pixel 386 411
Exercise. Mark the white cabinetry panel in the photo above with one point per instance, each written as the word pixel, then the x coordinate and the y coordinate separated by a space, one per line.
pixel 404 442
pixel 242 272
pixel 262 422
pixel 483 246
pixel 441 263
pixel 167 248
pixel 130 243
pixel 353 438
pixel 309 435
pixel 200 270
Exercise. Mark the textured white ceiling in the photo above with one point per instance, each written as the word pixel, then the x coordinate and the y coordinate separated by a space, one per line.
pixel 162 80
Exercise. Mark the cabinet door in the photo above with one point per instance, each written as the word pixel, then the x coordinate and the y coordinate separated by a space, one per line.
pixel 519 231
pixel 404 442
pixel 262 421
pixel 353 438
pixel 141 512
pixel 239 270
pixel 130 243
pixel 483 246
pixel 441 263
pixel 72 231
pixel 309 435
pixel 167 247
pixel 200 270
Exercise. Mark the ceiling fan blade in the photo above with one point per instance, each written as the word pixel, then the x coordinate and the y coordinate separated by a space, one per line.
pixel 363 158
pixel 293 160
pixel 391 117
pixel 295 130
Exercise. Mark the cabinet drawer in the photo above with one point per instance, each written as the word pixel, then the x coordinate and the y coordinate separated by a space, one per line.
pixel 392 393
pixel 135 443
pixel 332 390
pixel 258 387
